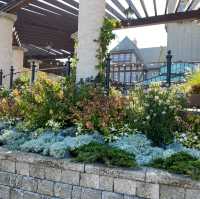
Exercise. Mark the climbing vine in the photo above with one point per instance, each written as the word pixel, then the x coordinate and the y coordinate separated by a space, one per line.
pixel 74 59
pixel 106 36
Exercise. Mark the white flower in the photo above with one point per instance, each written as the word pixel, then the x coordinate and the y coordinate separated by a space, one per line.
pixel 171 107
pixel 154 114
pixel 164 112
pixel 181 139
pixel 183 135
pixel 195 137
pixel 148 117
pixel 156 97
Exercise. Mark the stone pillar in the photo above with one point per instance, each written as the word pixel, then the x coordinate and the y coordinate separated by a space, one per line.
pixel 18 59
pixel 6 29
pixel 91 16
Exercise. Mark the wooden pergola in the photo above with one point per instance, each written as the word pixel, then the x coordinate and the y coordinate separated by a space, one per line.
pixel 46 26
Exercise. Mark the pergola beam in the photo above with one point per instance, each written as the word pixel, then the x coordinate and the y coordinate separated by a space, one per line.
pixel 189 5
pixel 119 5
pixel 114 12
pixel 178 2
pixel 166 6
pixel 13 6
pixel 144 8
pixel 155 7
pixel 130 3
pixel 162 19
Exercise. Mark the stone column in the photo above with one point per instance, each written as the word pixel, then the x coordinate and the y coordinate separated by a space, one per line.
pixel 18 58
pixel 6 29
pixel 91 16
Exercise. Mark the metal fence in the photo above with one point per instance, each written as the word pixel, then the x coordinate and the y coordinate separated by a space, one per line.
pixel 168 73
pixel 64 70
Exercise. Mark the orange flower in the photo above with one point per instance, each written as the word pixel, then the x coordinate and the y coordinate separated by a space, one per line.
pixel 89 125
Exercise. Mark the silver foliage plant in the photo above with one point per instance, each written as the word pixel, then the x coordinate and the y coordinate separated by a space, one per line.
pixel 139 145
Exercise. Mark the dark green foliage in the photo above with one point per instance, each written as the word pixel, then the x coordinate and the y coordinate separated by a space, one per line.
pixel 179 163
pixel 99 153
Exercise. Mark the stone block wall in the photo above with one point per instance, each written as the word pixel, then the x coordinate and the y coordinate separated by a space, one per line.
pixel 30 176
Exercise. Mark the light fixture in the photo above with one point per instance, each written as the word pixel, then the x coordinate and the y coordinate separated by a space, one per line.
pixel 129 12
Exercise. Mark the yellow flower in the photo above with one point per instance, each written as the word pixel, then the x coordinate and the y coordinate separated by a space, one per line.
pixel 4 101
pixel 38 98
pixel 51 112
pixel 61 95
pixel 15 93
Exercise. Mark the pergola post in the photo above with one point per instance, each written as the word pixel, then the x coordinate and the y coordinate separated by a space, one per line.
pixel 91 16
pixel 18 59
pixel 6 37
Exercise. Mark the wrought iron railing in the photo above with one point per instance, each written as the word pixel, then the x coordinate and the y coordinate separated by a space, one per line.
pixel 64 70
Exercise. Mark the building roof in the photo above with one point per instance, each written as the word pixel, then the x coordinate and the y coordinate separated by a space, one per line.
pixel 128 45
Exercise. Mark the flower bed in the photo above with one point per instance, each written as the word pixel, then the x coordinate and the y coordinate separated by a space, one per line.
pixel 64 120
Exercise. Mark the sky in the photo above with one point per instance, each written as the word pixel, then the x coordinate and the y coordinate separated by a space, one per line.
pixel 149 36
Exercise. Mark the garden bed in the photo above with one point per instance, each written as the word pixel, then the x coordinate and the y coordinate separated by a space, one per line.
pixel 27 175
pixel 79 123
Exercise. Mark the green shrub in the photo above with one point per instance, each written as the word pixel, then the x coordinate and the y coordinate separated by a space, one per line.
pixel 99 153
pixel 46 103
pixel 192 80
pixel 189 131
pixel 154 113
pixel 179 163
pixel 105 114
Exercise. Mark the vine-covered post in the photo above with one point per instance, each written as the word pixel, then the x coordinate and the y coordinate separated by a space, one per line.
pixel 1 77
pixel 169 67
pixel 11 76
pixel 107 76
pixel 33 73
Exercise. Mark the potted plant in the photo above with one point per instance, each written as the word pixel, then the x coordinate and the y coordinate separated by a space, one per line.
pixel 194 96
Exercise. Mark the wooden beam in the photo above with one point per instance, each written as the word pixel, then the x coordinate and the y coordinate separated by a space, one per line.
pixel 162 19
pixel 16 5
pixel 166 6
pixel 178 2
pixel 155 7
pixel 130 3
pixel 119 5
pixel 114 12
pixel 144 8
pixel 189 5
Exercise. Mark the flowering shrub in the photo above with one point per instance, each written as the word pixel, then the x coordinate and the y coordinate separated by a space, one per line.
pixel 189 131
pixel 154 112
pixel 102 113
pixel 9 109
pixel 45 104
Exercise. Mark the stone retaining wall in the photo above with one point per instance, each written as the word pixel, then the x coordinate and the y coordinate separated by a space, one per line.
pixel 30 176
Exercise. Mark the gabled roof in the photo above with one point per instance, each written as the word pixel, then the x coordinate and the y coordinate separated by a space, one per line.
pixel 127 45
